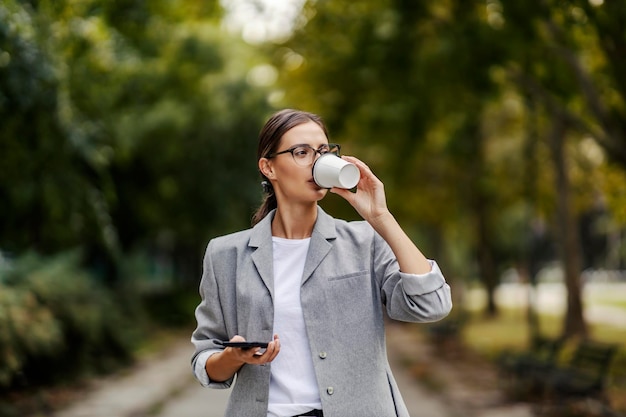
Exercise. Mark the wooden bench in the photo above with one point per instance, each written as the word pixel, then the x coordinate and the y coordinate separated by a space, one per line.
pixel 522 369
pixel 543 354
pixel 538 372
pixel 584 375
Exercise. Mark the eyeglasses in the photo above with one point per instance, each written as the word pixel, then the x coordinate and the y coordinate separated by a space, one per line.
pixel 304 155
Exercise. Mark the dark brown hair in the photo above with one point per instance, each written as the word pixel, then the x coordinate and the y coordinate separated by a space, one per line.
pixel 269 140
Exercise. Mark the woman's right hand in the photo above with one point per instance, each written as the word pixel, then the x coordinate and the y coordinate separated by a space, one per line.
pixel 254 356
pixel 223 366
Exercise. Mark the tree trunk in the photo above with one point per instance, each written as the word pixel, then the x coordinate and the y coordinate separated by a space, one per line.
pixel 567 236
pixel 480 204
pixel 486 261
pixel 533 260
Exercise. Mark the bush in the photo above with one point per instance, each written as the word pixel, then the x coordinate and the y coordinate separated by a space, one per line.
pixel 28 329
pixel 56 322
pixel 172 308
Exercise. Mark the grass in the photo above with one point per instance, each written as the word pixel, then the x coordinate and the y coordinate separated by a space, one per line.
pixel 613 303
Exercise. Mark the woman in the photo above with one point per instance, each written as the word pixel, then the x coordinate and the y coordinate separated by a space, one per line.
pixel 312 286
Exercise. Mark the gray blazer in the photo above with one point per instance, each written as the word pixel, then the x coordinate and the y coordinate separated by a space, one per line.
pixel 350 275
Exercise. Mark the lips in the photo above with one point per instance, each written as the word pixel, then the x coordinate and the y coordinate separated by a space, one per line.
pixel 312 181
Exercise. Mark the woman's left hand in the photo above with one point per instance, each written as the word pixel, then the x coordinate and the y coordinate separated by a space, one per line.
pixel 369 199
pixel 370 202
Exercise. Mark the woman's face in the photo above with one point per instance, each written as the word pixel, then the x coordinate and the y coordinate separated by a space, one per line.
pixel 292 182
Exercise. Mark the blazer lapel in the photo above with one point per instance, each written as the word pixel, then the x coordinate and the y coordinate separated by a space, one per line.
pixel 261 239
pixel 323 232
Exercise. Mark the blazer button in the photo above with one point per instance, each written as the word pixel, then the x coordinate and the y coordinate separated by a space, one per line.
pixel 330 390
pixel 323 355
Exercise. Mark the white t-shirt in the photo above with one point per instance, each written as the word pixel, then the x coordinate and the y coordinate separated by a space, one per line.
pixel 293 385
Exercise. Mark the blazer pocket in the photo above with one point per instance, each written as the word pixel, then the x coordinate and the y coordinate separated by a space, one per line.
pixel 365 272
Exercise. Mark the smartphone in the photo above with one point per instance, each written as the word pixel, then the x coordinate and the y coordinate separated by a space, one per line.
pixel 243 345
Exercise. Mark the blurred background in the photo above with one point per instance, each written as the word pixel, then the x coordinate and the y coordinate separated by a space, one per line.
pixel 128 134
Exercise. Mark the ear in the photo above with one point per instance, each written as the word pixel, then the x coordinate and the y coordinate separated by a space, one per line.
pixel 266 168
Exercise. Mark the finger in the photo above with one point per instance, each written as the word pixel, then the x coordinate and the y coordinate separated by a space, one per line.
pixel 367 175
pixel 272 350
pixel 356 161
pixel 276 342
pixel 272 347
pixel 262 358
pixel 273 355
pixel 275 350
pixel 347 195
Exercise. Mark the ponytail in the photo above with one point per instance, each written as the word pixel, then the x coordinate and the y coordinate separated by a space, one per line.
pixel 269 203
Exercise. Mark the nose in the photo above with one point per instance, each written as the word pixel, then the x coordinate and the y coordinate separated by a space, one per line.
pixel 317 154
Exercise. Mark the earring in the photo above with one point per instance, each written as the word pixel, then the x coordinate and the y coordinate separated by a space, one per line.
pixel 267 187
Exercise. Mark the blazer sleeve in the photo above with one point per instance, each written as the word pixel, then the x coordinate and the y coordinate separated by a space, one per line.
pixel 410 297
pixel 210 323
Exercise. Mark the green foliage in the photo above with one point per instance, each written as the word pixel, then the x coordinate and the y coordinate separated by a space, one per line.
pixel 124 125
pixel 58 323
pixel 451 103
pixel 30 138
pixel 405 87
pixel 28 329
pixel 174 308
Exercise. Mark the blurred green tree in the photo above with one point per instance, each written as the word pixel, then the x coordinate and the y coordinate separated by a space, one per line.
pixel 407 85
pixel 454 103
pixel 126 126
pixel 569 66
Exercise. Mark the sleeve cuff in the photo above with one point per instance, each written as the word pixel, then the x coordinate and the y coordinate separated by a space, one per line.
pixel 201 374
pixel 423 283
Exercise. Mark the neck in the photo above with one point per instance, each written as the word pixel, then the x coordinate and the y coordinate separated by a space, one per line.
pixel 294 222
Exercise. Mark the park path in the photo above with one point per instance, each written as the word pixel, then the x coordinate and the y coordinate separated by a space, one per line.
pixel 162 386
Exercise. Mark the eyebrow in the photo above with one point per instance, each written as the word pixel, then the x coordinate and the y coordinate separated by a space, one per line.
pixel 306 144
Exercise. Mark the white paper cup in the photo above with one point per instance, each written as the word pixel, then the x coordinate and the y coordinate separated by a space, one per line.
pixel 331 171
